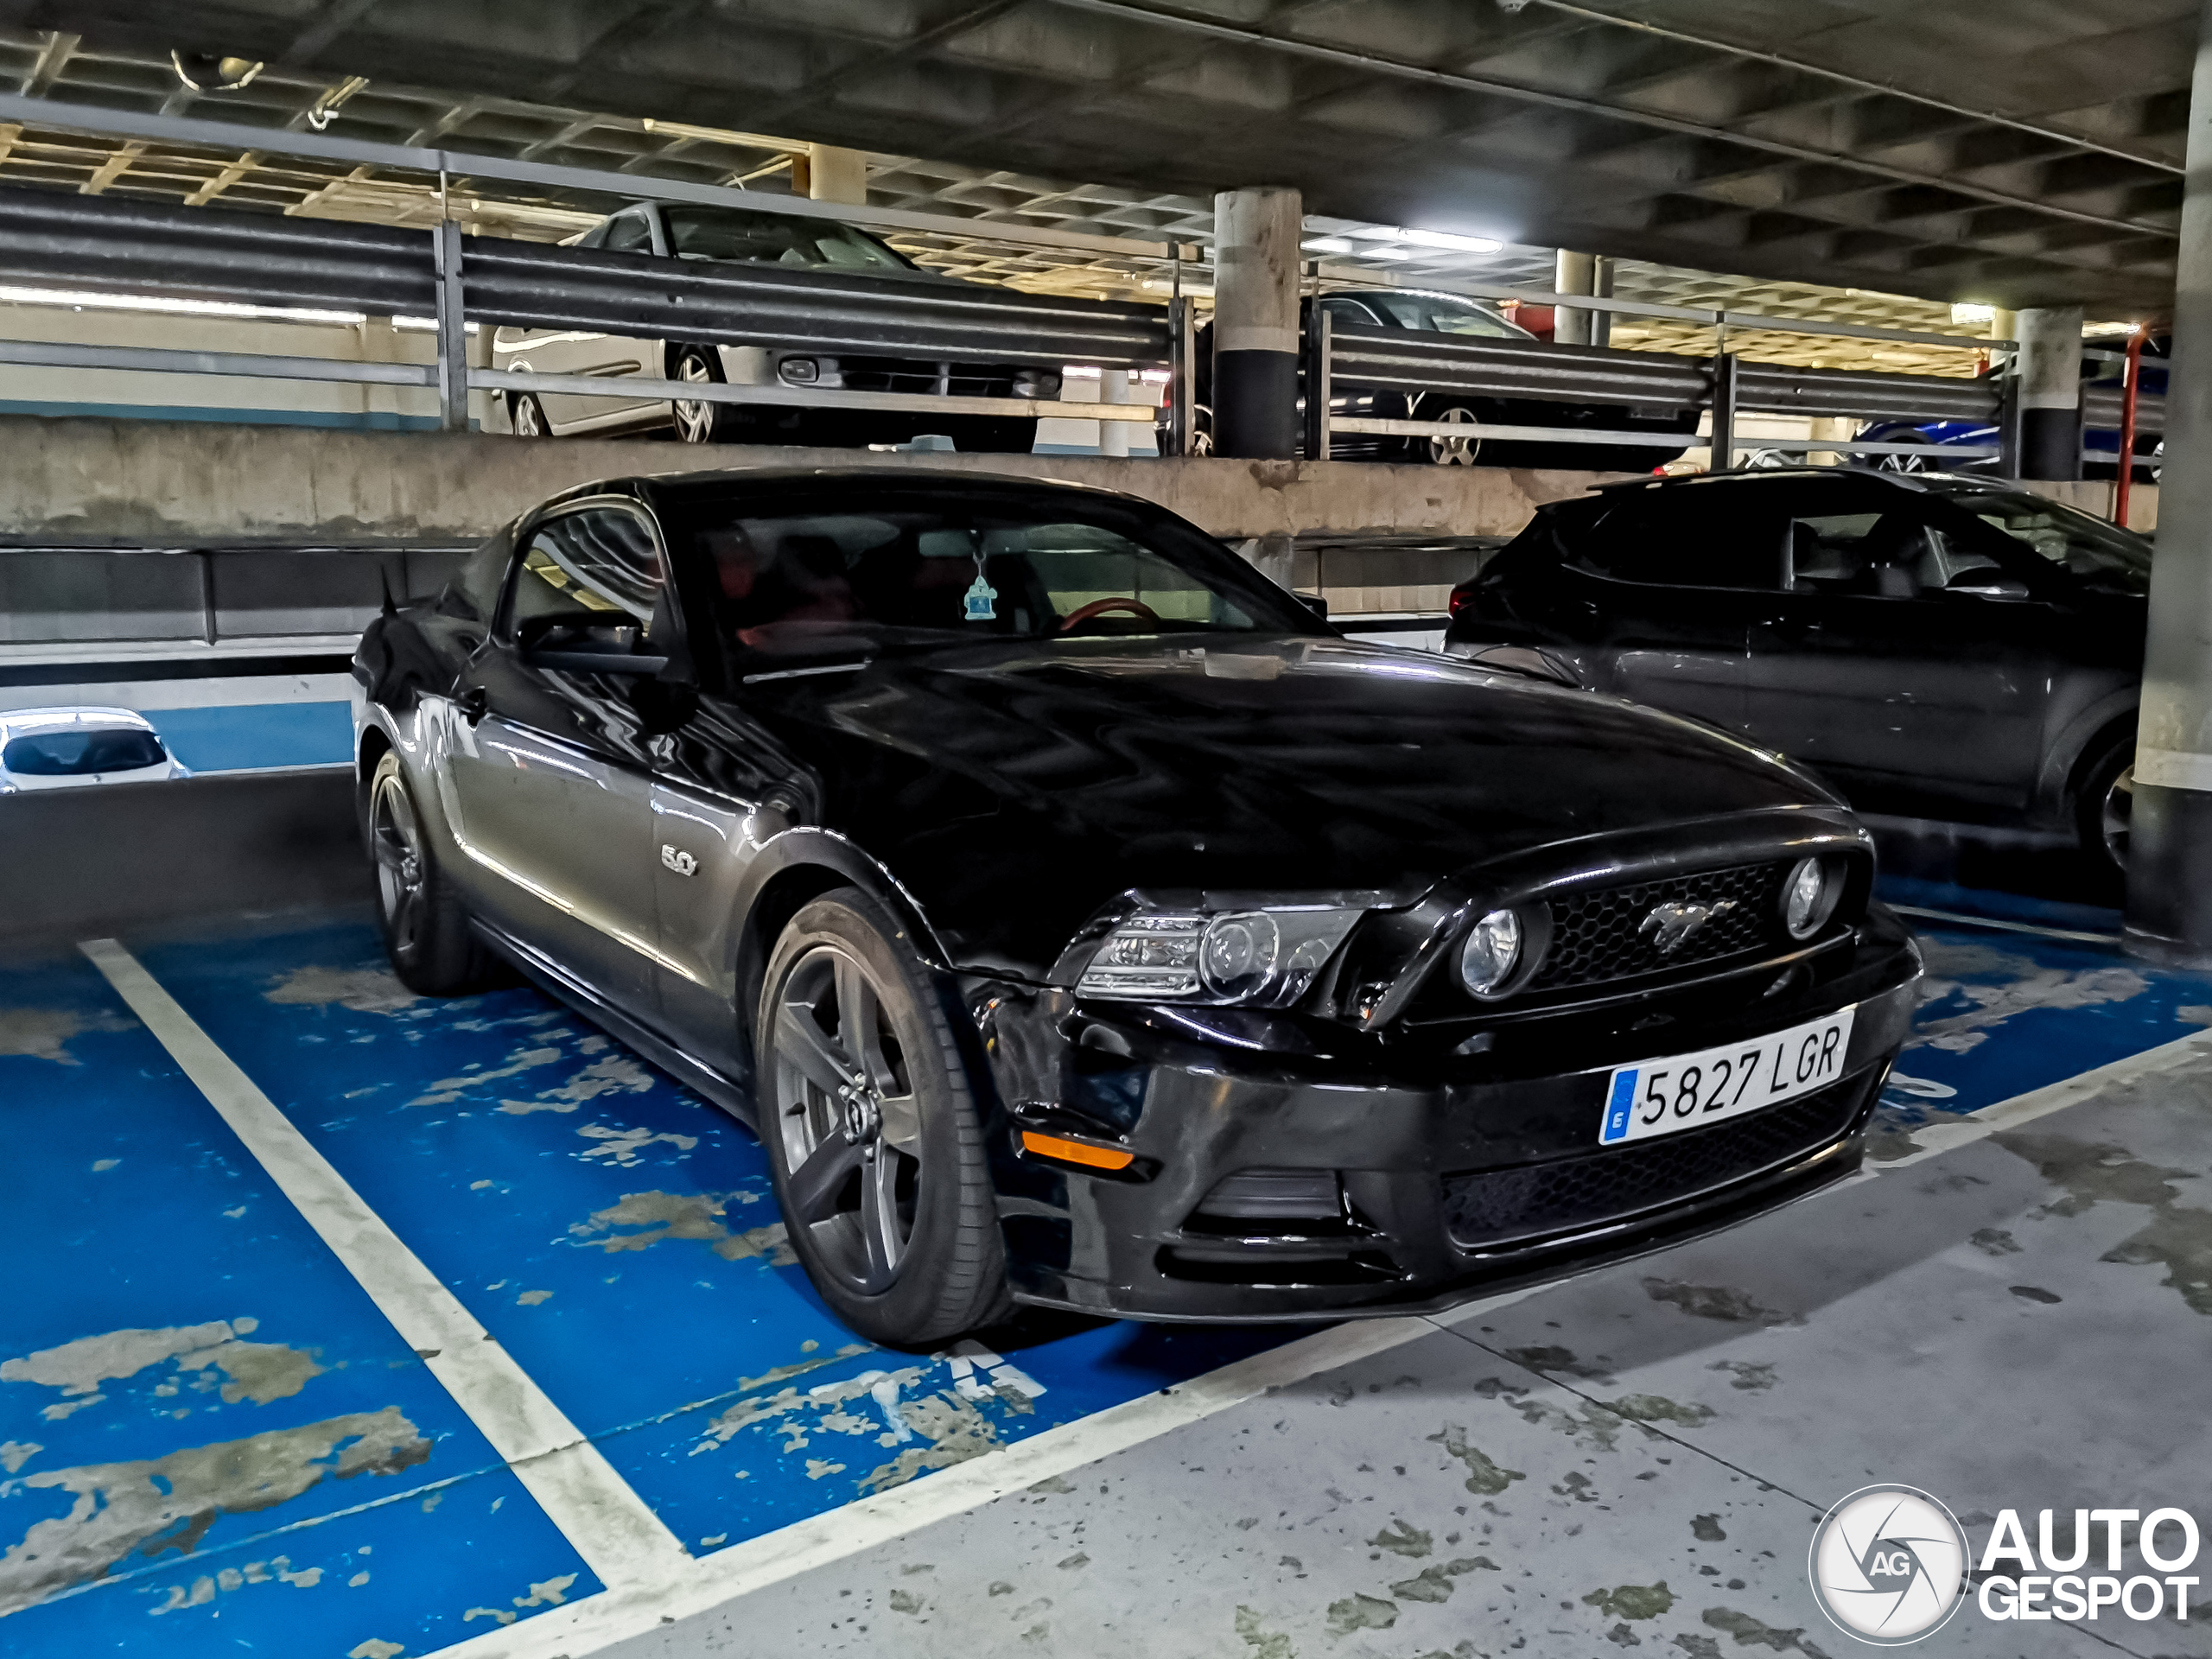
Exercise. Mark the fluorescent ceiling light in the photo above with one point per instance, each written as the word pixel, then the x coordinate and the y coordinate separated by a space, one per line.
pixel 1375 233
pixel 1453 239
pixel 1973 312
pixel 80 301
pixel 1328 244
pixel 1386 253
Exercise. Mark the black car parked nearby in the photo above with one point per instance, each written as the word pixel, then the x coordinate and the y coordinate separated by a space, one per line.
pixel 1082 923
pixel 1420 310
pixel 1935 645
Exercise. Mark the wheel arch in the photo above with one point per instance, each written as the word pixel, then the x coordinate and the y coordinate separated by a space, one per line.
pixel 2078 747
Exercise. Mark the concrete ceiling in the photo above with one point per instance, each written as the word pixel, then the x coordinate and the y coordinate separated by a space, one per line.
pixel 2015 151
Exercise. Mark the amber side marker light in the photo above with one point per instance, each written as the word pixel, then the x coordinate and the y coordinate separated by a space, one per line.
pixel 1075 1152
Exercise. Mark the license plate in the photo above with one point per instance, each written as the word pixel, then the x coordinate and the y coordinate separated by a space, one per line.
pixel 1687 1091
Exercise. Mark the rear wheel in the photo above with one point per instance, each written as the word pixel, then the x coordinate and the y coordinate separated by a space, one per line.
pixel 1455 452
pixel 872 1131
pixel 424 924
pixel 698 421
pixel 1907 463
pixel 527 415
pixel 2106 806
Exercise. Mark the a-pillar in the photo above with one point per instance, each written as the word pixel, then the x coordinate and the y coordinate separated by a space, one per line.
pixel 1255 253
pixel 2051 391
pixel 2170 853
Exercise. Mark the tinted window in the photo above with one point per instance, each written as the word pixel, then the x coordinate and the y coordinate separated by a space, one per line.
pixel 628 233
pixel 1894 555
pixel 1343 308
pixel 598 565
pixel 80 755
pixel 734 233
pixel 933 572
pixel 2088 547
pixel 1729 543
pixel 1444 314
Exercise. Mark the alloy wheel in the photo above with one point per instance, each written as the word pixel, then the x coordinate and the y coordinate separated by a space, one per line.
pixel 395 837
pixel 528 418
pixel 695 420
pixel 1455 452
pixel 849 1122
pixel 2115 814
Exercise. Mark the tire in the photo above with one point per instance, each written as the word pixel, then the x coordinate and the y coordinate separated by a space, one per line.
pixel 424 923
pixel 2105 804
pixel 527 415
pixel 1911 463
pixel 885 1191
pixel 1451 452
pixel 698 421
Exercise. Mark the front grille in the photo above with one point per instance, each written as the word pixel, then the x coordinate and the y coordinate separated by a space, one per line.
pixel 909 374
pixel 1600 934
pixel 1490 1206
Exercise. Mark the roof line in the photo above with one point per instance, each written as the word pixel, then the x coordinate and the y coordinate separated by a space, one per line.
pixel 1628 113
pixel 2074 140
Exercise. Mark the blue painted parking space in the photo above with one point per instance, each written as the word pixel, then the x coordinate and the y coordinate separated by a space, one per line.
pixel 241 736
pixel 210 1439
pixel 614 1232
pixel 617 1235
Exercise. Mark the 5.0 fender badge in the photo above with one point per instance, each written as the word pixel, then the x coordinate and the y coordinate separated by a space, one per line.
pixel 682 863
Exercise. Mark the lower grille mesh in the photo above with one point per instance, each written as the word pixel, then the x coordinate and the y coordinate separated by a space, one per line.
pixel 1484 1207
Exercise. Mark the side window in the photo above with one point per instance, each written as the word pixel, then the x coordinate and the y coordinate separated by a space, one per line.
pixel 1348 310
pixel 630 233
pixel 1876 555
pixel 598 565
pixel 1684 543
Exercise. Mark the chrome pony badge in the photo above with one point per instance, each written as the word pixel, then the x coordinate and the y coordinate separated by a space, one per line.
pixel 682 863
pixel 1671 925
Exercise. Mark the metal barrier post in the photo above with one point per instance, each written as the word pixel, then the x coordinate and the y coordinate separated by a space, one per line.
pixel 453 331
pixel 2008 428
pixel 1317 384
pixel 1724 413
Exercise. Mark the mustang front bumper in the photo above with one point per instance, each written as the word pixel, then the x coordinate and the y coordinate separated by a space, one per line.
pixel 1377 1182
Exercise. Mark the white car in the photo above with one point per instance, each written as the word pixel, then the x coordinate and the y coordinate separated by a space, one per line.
pixel 63 748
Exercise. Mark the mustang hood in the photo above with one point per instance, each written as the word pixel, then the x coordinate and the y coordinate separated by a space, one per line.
pixel 1018 789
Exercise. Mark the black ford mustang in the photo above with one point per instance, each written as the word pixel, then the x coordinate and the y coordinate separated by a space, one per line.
pixel 1081 923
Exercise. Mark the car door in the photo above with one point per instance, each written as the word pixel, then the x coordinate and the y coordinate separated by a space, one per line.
pixel 1910 693
pixel 1659 593
pixel 550 781
pixel 610 357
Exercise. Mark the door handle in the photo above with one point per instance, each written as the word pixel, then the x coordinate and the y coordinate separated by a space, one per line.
pixel 473 703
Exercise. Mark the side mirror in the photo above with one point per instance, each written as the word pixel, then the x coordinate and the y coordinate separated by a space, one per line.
pixel 1987 581
pixel 1315 603
pixel 1530 662
pixel 581 646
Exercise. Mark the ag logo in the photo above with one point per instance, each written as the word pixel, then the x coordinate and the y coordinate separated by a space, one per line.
pixel 1888 1565
pixel 682 863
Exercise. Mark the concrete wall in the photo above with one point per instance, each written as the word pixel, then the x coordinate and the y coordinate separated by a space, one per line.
pixel 112 482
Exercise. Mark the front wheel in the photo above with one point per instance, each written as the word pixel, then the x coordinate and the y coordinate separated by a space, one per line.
pixel 1455 452
pixel 424 924
pixel 873 1133
pixel 527 415
pixel 2106 806
pixel 698 421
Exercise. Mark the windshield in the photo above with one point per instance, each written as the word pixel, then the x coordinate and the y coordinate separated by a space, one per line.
pixel 734 233
pixel 2088 547
pixel 80 755
pixel 924 572
pixel 1445 313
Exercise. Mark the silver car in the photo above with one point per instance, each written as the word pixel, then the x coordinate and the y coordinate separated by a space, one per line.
pixel 684 231
pixel 69 747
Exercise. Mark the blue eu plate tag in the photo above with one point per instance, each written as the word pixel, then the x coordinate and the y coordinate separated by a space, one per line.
pixel 981 608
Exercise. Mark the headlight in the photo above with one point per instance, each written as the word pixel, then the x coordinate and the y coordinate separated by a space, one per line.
pixel 1258 958
pixel 1491 952
pixel 1036 383
pixel 1809 896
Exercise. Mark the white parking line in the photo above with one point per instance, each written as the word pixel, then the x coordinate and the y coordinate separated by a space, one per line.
pixel 1956 919
pixel 620 1538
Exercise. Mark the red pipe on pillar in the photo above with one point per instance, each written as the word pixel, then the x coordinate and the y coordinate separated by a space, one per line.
pixel 2126 475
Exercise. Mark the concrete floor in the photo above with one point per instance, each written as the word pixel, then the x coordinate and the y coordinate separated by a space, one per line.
pixel 211 1436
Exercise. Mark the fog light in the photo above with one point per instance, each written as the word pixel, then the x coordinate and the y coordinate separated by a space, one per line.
pixel 1808 897
pixel 799 371
pixel 1277 1195
pixel 1492 949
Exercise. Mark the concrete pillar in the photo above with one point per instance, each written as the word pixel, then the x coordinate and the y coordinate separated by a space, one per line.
pixel 2051 391
pixel 1577 274
pixel 2169 850
pixel 1114 435
pixel 1255 256
pixel 835 174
